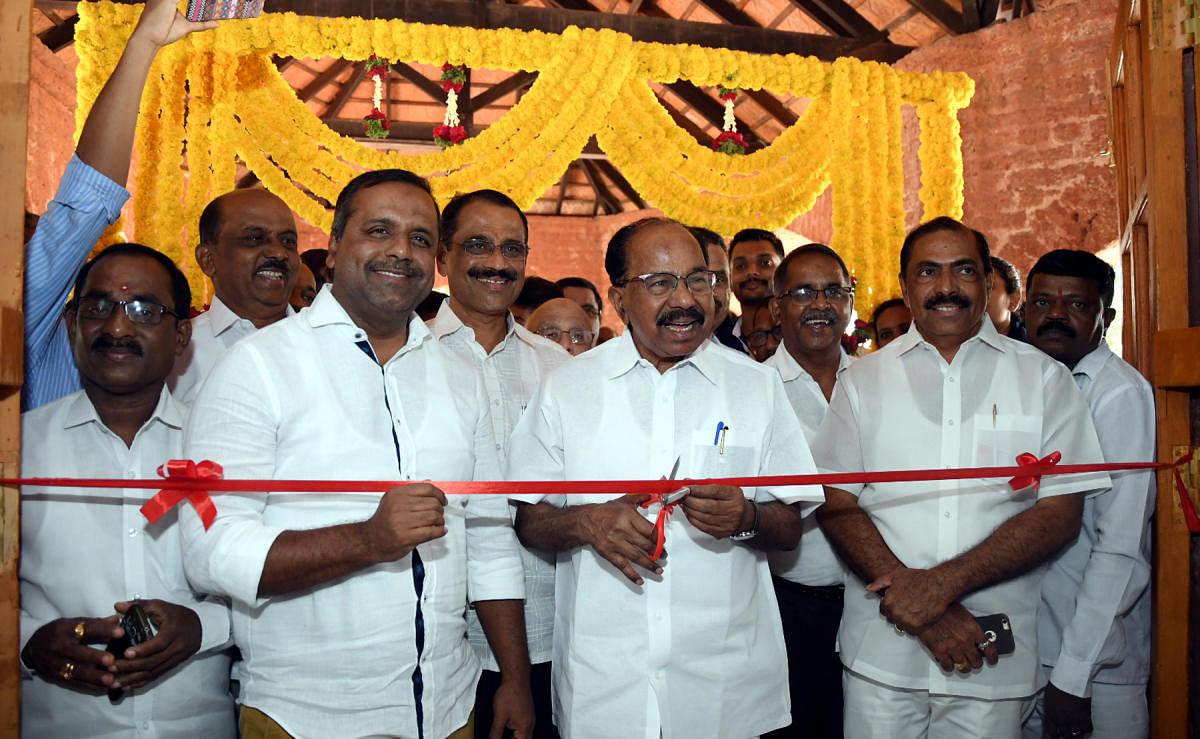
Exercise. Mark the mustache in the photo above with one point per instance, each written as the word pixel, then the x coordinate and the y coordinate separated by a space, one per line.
pixel 680 314
pixel 946 299
pixel 824 314
pixel 486 273
pixel 273 263
pixel 103 343
pixel 1056 325
pixel 404 267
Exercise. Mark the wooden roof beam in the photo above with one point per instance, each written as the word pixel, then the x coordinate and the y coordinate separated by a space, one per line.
pixel 941 13
pixel 343 95
pixel 604 198
pixel 424 84
pixel 61 35
pixel 318 83
pixel 685 123
pixel 502 88
pixel 554 20
pixel 773 106
pixel 838 17
pixel 713 110
pixel 614 175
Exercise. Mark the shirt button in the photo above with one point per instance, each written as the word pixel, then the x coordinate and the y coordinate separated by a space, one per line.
pixel 132 533
pixel 499 447
pixel 946 514
pixel 949 379
pixel 496 401
pixel 949 421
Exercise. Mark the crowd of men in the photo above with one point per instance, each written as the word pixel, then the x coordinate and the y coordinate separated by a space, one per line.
pixel 939 608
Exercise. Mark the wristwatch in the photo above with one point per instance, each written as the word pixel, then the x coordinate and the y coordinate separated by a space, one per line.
pixel 751 532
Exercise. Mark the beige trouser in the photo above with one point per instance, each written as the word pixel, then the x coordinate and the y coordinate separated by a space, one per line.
pixel 254 724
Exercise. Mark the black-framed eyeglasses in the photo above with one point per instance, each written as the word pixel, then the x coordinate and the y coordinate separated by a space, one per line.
pixel 575 335
pixel 658 284
pixel 759 338
pixel 480 246
pixel 138 310
pixel 808 293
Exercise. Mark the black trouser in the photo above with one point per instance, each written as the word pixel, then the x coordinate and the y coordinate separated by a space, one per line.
pixel 810 624
pixel 539 685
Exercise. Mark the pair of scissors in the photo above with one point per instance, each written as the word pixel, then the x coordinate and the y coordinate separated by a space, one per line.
pixel 666 504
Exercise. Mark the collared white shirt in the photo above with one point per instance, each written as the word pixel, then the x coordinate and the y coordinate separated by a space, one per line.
pixel 902 408
pixel 213 332
pixel 1095 619
pixel 341 658
pixel 813 562
pixel 698 651
pixel 84 549
pixel 511 373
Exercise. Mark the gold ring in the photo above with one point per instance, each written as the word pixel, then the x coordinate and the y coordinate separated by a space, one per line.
pixel 901 631
pixel 983 645
pixel 79 631
pixel 962 666
pixel 67 671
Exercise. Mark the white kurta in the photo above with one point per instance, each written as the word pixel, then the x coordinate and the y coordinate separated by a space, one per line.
pixel 697 652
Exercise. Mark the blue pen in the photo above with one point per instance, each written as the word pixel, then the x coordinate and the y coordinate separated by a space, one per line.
pixel 719 439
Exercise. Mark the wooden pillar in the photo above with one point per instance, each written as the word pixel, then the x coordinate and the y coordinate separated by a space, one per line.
pixel 15 38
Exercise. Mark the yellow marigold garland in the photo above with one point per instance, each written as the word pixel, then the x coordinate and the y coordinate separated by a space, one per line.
pixel 588 82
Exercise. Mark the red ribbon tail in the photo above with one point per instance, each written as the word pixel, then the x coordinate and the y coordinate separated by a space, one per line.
pixel 168 498
pixel 1185 501
pixel 1025 459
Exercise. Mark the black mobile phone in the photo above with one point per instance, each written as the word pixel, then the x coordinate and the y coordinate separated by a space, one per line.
pixel 998 630
pixel 138 629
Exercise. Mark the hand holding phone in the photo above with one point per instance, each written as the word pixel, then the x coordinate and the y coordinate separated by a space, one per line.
pixel 208 10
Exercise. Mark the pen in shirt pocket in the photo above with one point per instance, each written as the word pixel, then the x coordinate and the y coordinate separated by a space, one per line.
pixel 719 439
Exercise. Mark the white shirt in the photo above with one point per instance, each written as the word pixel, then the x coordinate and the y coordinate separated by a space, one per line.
pixel 511 373
pixel 213 332
pixel 84 549
pixel 902 408
pixel 1095 622
pixel 698 651
pixel 813 562
pixel 339 659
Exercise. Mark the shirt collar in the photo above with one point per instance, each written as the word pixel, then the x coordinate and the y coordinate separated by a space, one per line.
pixel 790 369
pixel 987 334
pixel 447 322
pixel 222 317
pixel 626 357
pixel 327 311
pixel 1093 361
pixel 167 410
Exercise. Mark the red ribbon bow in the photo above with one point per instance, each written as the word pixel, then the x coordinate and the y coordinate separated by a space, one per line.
pixel 185 469
pixel 1026 459
pixel 660 523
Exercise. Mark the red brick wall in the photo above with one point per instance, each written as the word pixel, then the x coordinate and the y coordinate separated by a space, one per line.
pixel 1033 136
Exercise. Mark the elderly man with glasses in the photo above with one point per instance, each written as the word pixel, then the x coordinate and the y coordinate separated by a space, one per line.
pixel 564 322
pixel 647 644
pixel 484 244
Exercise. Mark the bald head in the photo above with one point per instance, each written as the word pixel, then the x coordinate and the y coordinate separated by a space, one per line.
pixel 562 321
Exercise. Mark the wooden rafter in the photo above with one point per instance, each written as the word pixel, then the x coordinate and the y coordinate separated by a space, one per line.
pixel 562 189
pixel 684 122
pixel 773 106
pixel 940 13
pixel 714 111
pixel 319 82
pixel 604 198
pixel 502 88
pixel 61 34
pixel 614 175
pixel 838 17
pixel 422 83
pixel 343 95
pixel 282 62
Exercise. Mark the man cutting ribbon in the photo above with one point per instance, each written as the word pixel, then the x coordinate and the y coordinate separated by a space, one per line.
pixel 950 393
pixel 688 644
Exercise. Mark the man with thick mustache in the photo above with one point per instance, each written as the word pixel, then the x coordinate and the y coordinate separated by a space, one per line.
pixel 754 255
pixel 928 558
pixel 349 609
pixel 483 249
pixel 1094 626
pixel 813 303
pixel 248 247
pixel 689 644
pixel 90 555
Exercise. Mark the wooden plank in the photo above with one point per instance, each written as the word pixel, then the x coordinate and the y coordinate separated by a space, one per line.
pixel 1177 357
pixel 503 87
pixel 604 197
pixel 16 38
pixel 838 17
pixel 424 84
pixel 941 13
pixel 319 82
pixel 614 175
pixel 773 106
pixel 971 15
pixel 61 35
pixel 348 88
pixel 713 110
pixel 641 27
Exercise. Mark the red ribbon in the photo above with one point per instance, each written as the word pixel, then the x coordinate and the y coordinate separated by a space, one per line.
pixel 1027 460
pixel 169 497
pixel 196 482
pixel 660 522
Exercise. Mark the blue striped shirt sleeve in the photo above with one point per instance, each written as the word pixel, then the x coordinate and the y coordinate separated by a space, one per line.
pixel 86 203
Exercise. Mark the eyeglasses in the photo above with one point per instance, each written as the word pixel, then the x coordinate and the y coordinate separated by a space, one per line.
pixel 720 279
pixel 145 312
pixel 478 246
pixel 759 338
pixel 658 284
pixel 575 335
pixel 807 293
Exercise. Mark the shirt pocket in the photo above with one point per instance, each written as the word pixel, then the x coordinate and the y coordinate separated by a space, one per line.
pixel 732 459
pixel 1000 437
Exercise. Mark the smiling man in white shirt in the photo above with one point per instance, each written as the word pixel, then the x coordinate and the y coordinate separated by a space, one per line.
pixel 950 393
pixel 349 609
pixel 484 245
pixel 688 645
pixel 84 550
pixel 248 248
pixel 1094 627
pixel 813 302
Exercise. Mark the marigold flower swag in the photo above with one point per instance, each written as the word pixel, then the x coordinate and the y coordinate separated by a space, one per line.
pixel 216 96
